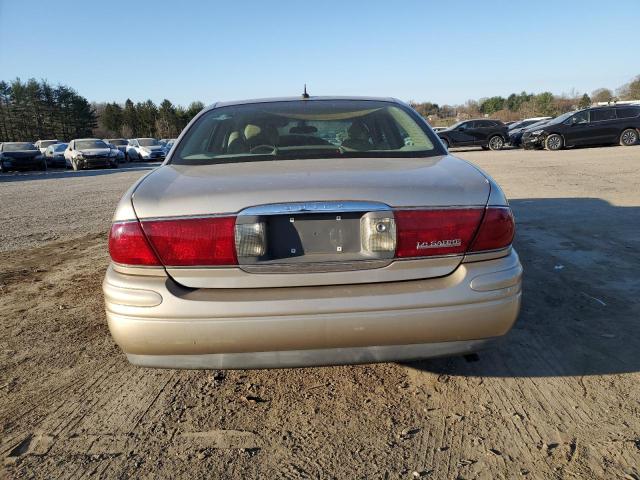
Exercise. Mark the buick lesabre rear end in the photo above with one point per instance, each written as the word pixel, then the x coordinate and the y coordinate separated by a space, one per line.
pixel 316 231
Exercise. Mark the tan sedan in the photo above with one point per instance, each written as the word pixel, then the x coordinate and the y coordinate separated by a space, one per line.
pixel 297 232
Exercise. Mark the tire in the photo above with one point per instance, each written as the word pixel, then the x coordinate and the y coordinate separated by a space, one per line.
pixel 553 142
pixel 484 147
pixel 496 143
pixel 629 137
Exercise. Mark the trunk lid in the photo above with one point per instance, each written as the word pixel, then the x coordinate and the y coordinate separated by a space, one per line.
pixel 312 210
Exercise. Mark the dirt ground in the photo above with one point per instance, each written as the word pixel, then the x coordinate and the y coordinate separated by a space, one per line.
pixel 560 398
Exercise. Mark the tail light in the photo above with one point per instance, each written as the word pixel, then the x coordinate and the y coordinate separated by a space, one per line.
pixel 194 241
pixel 496 231
pixel 129 246
pixel 427 233
pixel 219 240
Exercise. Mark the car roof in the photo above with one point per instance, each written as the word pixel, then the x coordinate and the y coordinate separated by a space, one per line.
pixel 299 98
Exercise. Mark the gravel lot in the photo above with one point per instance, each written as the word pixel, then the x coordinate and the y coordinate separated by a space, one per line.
pixel 559 399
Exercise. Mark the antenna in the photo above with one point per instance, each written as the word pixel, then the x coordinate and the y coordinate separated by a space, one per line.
pixel 305 94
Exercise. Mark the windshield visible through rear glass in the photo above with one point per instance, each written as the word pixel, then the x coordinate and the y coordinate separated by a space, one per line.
pixel 89 144
pixel 17 147
pixel 305 129
pixel 148 142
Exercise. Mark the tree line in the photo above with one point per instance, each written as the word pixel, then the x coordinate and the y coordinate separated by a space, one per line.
pixel 143 119
pixel 523 105
pixel 34 110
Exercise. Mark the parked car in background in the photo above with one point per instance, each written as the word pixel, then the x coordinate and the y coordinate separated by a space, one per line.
pixel 145 149
pixel 43 144
pixel 54 155
pixel 167 145
pixel 515 134
pixel 120 156
pixel 84 153
pixel 120 144
pixel 262 244
pixel 488 134
pixel 619 124
pixel 525 122
pixel 21 156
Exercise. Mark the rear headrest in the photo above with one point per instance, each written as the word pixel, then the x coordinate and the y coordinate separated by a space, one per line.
pixel 251 131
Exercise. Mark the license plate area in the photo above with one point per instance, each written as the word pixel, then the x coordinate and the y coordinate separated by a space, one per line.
pixel 316 233
pixel 312 235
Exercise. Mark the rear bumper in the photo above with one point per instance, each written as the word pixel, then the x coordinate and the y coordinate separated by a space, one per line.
pixel 158 323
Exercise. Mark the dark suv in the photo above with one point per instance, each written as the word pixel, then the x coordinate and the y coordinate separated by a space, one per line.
pixel 488 134
pixel 591 126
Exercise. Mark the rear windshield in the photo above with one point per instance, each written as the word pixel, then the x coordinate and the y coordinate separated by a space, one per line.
pixel 46 143
pixel 148 142
pixel 89 144
pixel 60 147
pixel 117 141
pixel 305 129
pixel 17 147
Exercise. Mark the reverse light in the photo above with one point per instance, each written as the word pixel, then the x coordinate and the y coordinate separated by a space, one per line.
pixel 378 234
pixel 251 239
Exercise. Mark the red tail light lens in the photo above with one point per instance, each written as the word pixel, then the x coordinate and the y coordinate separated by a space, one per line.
pixel 128 245
pixel 426 233
pixel 193 242
pixel 496 231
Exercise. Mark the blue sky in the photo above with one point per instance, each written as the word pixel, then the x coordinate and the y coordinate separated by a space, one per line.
pixel 442 51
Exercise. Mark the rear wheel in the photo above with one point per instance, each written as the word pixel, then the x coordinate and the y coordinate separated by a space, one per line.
pixel 496 142
pixel 553 142
pixel 629 137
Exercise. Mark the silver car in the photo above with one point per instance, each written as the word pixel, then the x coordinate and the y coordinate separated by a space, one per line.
pixel 297 232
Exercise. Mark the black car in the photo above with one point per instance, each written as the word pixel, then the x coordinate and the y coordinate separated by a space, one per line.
pixel 21 156
pixel 515 134
pixel 488 134
pixel 591 126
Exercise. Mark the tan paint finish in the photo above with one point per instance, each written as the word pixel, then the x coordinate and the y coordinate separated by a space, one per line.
pixel 180 190
pixel 245 320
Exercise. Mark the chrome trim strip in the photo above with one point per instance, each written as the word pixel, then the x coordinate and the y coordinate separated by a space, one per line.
pixel 316 267
pixel 315 207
